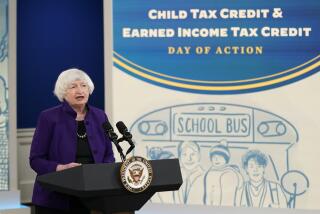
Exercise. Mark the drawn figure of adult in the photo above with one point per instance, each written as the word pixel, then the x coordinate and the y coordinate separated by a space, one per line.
pixel 67 136
pixel 258 191
pixel 223 180
pixel 191 191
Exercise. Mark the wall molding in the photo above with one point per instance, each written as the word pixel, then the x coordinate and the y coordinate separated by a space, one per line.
pixel 24 136
pixel 26 175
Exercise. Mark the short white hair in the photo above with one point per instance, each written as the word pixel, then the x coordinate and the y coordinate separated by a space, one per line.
pixel 66 78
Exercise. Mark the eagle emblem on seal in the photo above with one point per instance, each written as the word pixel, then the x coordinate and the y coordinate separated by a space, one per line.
pixel 136 174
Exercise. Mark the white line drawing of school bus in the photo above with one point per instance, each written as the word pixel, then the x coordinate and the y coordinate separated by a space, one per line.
pixel 219 142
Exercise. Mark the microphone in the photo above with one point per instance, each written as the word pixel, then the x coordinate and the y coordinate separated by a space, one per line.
pixel 113 137
pixel 109 131
pixel 126 135
pixel 124 130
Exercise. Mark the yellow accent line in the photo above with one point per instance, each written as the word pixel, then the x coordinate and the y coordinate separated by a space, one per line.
pixel 199 81
pixel 217 88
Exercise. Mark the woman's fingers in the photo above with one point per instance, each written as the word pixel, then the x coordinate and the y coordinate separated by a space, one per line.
pixel 67 166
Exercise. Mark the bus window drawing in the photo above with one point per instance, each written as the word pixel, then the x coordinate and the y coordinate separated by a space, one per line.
pixel 211 141
pixel 4 116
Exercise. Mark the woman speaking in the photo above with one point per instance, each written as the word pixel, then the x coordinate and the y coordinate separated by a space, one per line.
pixel 66 136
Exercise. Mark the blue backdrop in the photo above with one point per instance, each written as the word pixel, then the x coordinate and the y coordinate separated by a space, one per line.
pixel 284 59
pixel 54 35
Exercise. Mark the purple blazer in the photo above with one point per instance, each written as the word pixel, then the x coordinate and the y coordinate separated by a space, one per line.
pixel 54 142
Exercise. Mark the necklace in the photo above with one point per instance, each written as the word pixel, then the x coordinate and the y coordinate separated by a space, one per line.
pixel 81 130
pixel 82 136
pixel 256 190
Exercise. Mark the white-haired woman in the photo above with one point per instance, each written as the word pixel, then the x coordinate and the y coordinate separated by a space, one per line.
pixel 66 136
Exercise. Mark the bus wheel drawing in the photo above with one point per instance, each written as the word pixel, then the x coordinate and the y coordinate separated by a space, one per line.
pixel 295 183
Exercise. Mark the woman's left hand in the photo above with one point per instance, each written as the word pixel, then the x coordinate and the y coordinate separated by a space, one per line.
pixel 67 166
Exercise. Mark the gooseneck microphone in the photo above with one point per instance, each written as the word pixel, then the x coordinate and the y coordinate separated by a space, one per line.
pixel 126 135
pixel 113 137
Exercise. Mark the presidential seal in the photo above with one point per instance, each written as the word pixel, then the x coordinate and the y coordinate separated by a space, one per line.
pixel 136 174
